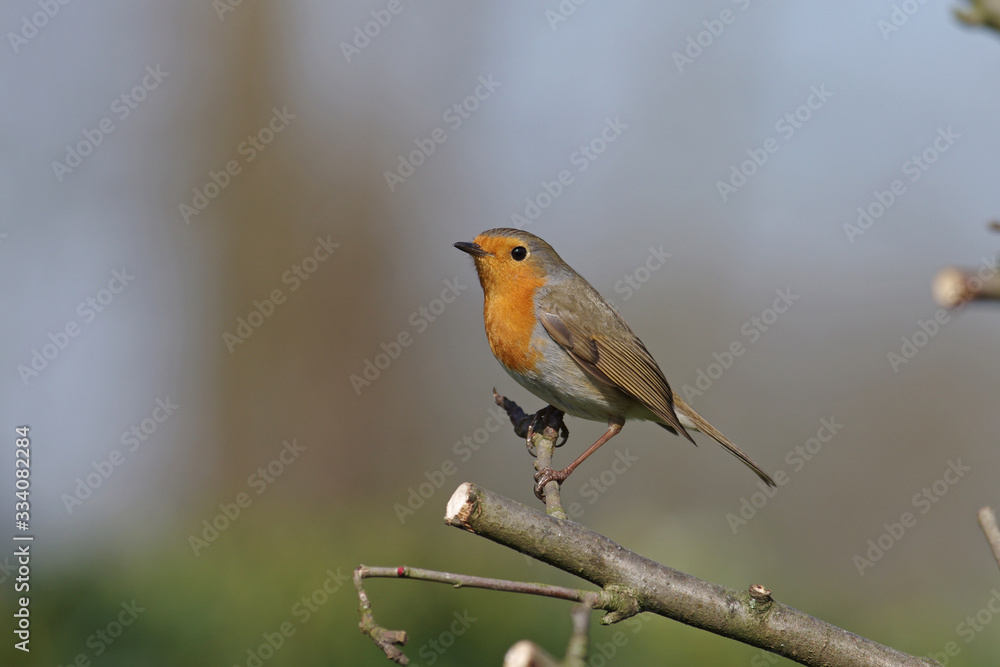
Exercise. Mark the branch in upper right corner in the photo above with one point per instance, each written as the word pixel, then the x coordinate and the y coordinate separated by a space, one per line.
pixel 954 287
pixel 981 13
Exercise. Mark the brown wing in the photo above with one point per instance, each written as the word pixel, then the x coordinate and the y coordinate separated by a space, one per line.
pixel 622 362
pixel 625 363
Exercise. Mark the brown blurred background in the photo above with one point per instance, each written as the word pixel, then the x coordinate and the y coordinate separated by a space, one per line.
pixel 247 154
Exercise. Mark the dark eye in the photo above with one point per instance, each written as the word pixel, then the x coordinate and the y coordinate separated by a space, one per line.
pixel 519 253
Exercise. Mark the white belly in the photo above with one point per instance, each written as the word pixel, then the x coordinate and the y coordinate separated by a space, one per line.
pixel 560 381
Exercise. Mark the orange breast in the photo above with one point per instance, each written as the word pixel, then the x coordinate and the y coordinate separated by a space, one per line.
pixel 509 313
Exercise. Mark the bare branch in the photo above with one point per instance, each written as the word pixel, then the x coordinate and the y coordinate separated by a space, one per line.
pixel 387 640
pixel 469 581
pixel 526 653
pixel 954 287
pixel 390 640
pixel 632 584
pixel 980 13
pixel 542 447
pixel 988 522
pixel 576 652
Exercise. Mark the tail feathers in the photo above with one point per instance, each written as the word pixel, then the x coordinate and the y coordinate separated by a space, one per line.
pixel 691 419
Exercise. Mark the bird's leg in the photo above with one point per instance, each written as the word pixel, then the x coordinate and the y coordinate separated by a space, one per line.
pixel 543 477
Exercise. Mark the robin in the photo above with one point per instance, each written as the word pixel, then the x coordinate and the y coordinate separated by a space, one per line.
pixel 562 341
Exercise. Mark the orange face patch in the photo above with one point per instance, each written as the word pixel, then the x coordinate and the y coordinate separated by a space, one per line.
pixel 509 288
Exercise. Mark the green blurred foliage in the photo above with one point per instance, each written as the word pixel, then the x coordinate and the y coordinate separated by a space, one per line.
pixel 270 566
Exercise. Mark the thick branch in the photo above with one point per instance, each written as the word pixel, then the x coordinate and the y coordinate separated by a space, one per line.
pixel 632 584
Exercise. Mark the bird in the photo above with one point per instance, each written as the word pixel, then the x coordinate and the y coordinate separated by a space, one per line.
pixel 557 337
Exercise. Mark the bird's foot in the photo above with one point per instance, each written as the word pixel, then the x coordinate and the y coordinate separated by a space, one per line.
pixel 546 475
pixel 526 425
pixel 547 417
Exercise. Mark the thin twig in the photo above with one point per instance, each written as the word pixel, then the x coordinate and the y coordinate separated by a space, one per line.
pixel 469 581
pixel 543 446
pixel 526 653
pixel 579 641
pixel 390 640
pixel 387 640
pixel 988 522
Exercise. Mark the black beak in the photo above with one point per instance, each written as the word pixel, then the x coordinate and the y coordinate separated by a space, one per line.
pixel 473 249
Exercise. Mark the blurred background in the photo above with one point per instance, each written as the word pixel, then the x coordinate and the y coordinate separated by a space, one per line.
pixel 250 358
